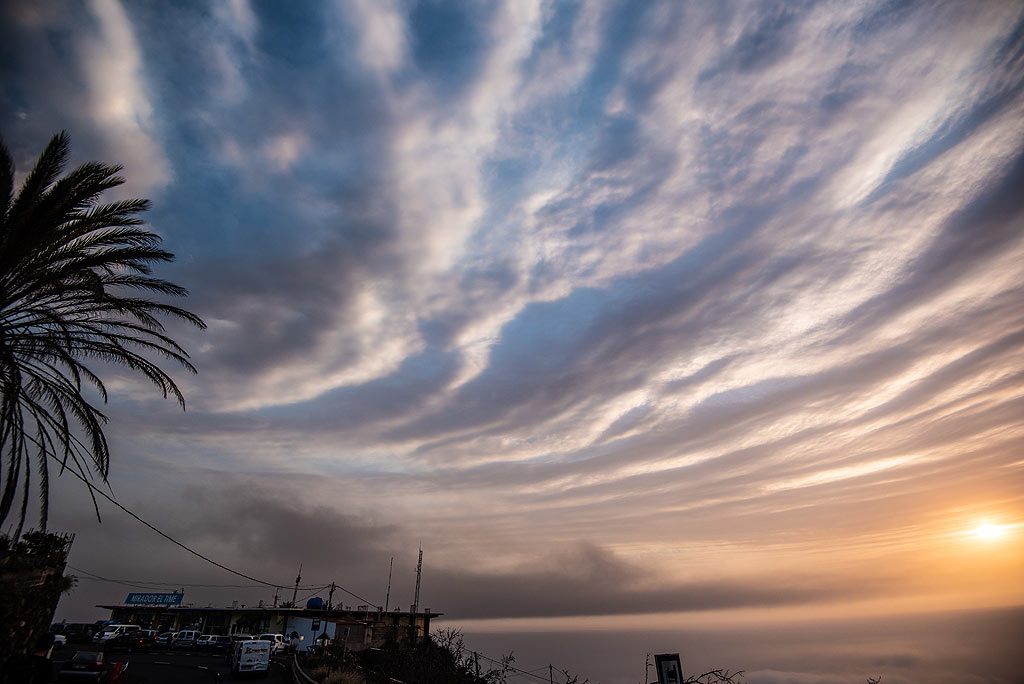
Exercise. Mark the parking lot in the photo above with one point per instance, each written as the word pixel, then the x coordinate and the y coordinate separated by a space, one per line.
pixel 161 666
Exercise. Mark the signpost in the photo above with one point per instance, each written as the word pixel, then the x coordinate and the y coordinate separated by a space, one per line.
pixel 670 670
pixel 154 599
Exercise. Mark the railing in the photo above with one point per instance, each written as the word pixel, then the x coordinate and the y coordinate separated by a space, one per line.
pixel 298 675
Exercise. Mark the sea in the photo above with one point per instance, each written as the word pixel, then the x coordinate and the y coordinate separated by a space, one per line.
pixel 957 647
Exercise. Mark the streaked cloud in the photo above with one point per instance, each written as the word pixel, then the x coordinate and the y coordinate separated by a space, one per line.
pixel 120 105
pixel 689 297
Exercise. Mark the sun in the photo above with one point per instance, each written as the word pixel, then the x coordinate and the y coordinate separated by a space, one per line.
pixel 989 531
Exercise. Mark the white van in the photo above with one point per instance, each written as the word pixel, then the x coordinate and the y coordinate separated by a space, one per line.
pixel 186 638
pixel 276 641
pixel 250 656
pixel 111 631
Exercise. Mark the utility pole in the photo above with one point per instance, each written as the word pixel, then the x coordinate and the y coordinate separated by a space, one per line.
pixel 295 592
pixel 277 592
pixel 416 599
pixel 327 608
pixel 387 598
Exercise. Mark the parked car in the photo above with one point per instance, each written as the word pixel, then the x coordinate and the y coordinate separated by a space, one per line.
pixel 59 641
pixel 164 640
pixel 203 642
pixel 85 666
pixel 78 631
pixel 111 631
pixel 235 638
pixel 186 638
pixel 128 641
pixel 276 641
pixel 220 644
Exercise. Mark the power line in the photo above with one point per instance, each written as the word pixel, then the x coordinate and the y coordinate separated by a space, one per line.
pixel 370 603
pixel 312 593
pixel 145 585
pixel 140 583
pixel 97 578
pixel 510 667
pixel 93 488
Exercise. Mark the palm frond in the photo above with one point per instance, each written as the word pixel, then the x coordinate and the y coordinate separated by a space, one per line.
pixel 75 287
pixel 6 183
pixel 46 170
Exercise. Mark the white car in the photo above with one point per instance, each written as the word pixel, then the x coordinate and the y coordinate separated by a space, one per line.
pixel 111 631
pixel 276 641
pixel 204 641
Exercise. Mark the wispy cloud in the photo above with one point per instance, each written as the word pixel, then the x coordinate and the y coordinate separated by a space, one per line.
pixel 120 104
pixel 696 284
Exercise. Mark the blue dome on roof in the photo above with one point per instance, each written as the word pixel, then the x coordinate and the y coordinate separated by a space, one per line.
pixel 315 603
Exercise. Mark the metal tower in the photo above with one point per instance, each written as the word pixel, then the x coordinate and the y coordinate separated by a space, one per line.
pixel 419 574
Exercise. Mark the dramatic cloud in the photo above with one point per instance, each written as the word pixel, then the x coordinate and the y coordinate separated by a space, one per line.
pixel 615 307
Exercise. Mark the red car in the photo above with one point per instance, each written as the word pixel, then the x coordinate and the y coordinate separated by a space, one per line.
pixel 85 666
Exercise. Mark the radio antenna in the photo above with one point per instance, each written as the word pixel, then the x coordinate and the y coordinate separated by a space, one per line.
pixel 295 592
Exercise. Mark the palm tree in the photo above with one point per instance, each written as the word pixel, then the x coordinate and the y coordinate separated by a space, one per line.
pixel 74 282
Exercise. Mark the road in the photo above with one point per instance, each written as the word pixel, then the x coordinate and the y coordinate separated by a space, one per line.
pixel 172 667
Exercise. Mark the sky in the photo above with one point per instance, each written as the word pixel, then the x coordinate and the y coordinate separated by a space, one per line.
pixel 631 314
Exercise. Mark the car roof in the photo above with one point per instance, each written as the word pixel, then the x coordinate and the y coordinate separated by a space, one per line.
pixel 87 657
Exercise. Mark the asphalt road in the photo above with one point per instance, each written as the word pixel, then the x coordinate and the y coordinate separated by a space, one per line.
pixel 171 667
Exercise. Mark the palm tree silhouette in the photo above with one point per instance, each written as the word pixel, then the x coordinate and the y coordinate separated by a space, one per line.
pixel 74 282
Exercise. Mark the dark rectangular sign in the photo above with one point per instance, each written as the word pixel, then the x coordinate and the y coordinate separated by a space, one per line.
pixel 670 670
pixel 154 599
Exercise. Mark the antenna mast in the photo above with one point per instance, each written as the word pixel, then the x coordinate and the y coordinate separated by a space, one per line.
pixel 419 574
pixel 387 598
pixel 295 592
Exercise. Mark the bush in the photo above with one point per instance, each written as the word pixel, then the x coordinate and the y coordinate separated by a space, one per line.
pixel 337 676
pixel 31 582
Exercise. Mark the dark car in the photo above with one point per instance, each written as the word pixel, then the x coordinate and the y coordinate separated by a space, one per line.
pixel 130 641
pixel 164 640
pixel 85 666
pixel 74 631
pixel 235 638
pixel 220 644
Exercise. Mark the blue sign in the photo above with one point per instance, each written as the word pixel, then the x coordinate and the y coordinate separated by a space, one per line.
pixel 154 599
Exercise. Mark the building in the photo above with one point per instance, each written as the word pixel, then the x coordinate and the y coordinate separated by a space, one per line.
pixel 356 629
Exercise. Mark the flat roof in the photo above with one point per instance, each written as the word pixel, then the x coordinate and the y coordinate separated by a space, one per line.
pixel 312 612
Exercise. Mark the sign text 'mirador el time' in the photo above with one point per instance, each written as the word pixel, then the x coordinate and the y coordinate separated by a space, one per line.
pixel 154 599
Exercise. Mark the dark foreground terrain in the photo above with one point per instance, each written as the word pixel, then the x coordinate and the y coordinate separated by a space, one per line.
pixel 171 667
